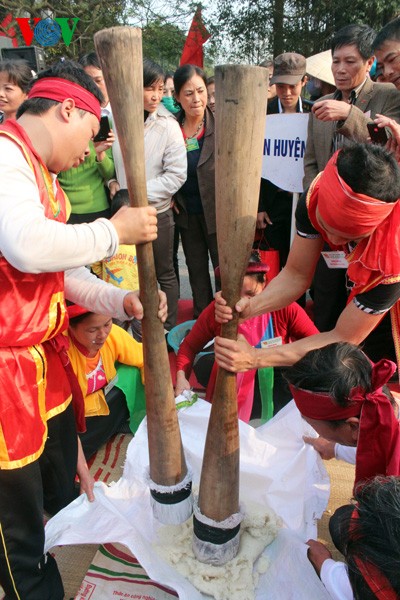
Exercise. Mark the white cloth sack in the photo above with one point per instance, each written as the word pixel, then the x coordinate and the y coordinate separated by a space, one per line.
pixel 276 468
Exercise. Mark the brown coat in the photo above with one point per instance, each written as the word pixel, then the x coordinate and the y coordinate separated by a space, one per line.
pixel 206 179
pixel 382 98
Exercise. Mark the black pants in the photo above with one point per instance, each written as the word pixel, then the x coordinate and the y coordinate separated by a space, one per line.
pixel 25 572
pixel 198 245
pixel 163 249
pixel 100 429
pixel 76 219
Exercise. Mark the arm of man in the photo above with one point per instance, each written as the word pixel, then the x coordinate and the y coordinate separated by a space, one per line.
pixel 285 288
pixel 311 169
pixel 353 326
pixel 84 288
pixel 32 243
pixel 385 100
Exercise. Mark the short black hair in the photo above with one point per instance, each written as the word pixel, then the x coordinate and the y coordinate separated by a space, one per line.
pixel 391 31
pixel 120 199
pixel 255 259
pixel 186 72
pixel 334 369
pixel 19 73
pixel 370 169
pixel 168 75
pixel 210 80
pixel 152 72
pixel 360 36
pixel 65 69
pixel 90 59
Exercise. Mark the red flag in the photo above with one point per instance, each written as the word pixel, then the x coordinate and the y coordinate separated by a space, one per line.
pixel 193 49
pixel 9 31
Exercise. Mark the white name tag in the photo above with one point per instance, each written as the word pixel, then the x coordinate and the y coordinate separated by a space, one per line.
pixel 276 341
pixel 335 259
pixel 111 384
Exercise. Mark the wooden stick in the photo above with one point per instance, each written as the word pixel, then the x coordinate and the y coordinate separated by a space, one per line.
pixel 120 52
pixel 241 95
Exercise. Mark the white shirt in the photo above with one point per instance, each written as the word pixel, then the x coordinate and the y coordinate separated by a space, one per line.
pixel 34 244
pixel 335 577
pixel 165 158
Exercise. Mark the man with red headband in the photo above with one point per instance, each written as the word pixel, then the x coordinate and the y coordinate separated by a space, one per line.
pixel 341 394
pixel 335 121
pixel 41 262
pixel 353 206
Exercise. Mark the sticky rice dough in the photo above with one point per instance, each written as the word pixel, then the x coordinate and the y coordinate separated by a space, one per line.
pixel 237 579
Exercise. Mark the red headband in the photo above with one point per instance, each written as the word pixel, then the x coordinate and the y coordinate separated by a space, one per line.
pixel 74 310
pixel 378 446
pixel 322 407
pixel 251 268
pixel 345 210
pixel 376 580
pixel 56 88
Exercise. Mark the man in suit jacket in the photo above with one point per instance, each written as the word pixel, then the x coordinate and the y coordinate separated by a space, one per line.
pixel 335 120
pixel 345 114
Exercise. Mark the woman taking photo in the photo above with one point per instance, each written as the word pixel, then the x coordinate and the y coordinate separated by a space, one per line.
pixel 195 201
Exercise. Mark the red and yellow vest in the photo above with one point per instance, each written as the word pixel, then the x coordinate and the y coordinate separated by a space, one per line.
pixel 33 382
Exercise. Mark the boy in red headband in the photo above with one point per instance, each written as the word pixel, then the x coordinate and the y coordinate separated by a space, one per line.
pixel 41 263
pixel 352 206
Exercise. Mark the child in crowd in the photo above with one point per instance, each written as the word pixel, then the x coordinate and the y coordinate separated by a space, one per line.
pixel 15 77
pixel 95 346
pixel 278 327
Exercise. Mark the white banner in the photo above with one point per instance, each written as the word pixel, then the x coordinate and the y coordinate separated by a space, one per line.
pixel 284 146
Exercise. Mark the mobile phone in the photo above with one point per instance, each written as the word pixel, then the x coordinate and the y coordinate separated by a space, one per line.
pixel 103 131
pixel 377 134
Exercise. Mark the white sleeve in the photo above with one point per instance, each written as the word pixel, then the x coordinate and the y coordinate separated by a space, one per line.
pixel 84 288
pixel 346 453
pixel 174 166
pixel 33 243
pixel 335 578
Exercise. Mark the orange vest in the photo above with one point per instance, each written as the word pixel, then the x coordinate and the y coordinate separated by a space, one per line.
pixel 33 382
